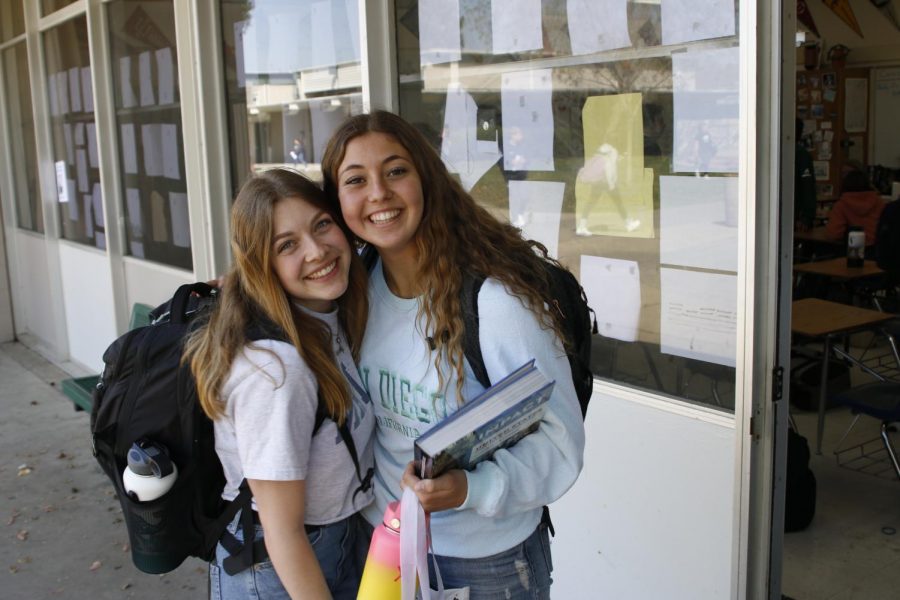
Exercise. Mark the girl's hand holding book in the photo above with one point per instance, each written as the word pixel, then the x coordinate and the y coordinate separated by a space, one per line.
pixel 441 493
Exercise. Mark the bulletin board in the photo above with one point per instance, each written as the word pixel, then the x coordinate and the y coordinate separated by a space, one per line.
pixel 832 104
pixel 885 128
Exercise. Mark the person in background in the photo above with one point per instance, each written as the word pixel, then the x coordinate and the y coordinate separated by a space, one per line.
pixel 396 194
pixel 299 291
pixel 298 152
pixel 858 204
pixel 804 184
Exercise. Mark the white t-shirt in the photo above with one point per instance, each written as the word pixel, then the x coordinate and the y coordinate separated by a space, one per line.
pixel 266 433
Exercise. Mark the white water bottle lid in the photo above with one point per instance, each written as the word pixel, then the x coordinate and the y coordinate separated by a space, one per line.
pixel 144 488
pixel 150 472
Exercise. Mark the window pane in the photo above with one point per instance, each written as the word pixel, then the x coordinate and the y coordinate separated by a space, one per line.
pixel 50 6
pixel 71 102
pixel 148 124
pixel 12 19
pixel 292 75
pixel 29 213
pixel 580 123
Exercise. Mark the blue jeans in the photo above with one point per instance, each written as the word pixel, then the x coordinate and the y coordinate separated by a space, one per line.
pixel 340 547
pixel 520 573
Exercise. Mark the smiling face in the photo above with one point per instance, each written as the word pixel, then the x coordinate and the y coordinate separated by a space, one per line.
pixel 381 193
pixel 310 254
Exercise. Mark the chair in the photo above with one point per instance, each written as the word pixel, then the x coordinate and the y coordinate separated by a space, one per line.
pixel 879 399
pixel 886 361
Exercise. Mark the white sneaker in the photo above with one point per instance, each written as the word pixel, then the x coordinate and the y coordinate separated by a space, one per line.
pixel 582 228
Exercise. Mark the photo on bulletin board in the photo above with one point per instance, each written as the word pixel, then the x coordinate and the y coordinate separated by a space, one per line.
pixel 813 81
pixel 801 79
pixel 820 168
pixel 825 190
pixel 829 80
pixel 816 96
pixel 802 94
pixel 818 111
pixel 802 111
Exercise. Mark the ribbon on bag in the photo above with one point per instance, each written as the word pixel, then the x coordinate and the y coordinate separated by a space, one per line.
pixel 414 544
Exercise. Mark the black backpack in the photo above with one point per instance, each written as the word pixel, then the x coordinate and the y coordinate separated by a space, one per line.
pixel 567 298
pixel 800 484
pixel 146 393
pixel 887 239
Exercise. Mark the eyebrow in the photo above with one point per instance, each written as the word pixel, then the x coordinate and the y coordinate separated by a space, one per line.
pixel 384 162
pixel 315 218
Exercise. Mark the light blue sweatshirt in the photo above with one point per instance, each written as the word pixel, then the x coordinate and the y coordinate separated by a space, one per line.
pixel 506 493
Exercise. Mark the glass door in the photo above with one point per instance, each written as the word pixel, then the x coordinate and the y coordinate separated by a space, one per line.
pixel 628 138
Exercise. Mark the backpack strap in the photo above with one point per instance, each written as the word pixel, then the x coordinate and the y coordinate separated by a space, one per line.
pixel 468 301
pixel 176 309
pixel 365 482
pixel 240 555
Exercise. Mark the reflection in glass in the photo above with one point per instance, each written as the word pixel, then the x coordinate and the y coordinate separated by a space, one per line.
pixel 50 6
pixel 73 132
pixel 12 19
pixel 27 198
pixel 292 75
pixel 148 125
pixel 624 167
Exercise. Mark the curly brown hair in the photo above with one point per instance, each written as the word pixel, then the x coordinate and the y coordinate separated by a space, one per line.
pixel 252 290
pixel 456 237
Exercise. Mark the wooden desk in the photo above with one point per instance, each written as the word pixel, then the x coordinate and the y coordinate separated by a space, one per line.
pixel 816 234
pixel 812 245
pixel 837 268
pixel 815 318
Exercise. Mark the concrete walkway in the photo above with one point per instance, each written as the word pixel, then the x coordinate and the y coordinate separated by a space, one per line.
pixel 63 534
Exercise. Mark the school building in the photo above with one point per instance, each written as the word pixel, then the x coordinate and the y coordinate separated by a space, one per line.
pixel 646 143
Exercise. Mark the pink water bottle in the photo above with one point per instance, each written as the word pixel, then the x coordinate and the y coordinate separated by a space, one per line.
pixel 381 576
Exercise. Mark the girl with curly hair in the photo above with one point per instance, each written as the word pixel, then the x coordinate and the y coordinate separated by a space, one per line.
pixel 396 195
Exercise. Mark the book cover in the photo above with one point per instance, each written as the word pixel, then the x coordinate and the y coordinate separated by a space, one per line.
pixel 497 418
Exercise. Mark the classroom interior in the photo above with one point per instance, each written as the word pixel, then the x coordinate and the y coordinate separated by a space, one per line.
pixel 847 96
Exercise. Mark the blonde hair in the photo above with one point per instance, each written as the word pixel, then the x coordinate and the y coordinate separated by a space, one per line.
pixel 456 237
pixel 252 295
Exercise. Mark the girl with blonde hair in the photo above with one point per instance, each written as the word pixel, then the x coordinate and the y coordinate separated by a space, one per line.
pixel 279 348
pixel 396 195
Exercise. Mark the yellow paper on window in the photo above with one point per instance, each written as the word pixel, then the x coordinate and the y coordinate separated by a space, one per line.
pixel 613 195
pixel 160 224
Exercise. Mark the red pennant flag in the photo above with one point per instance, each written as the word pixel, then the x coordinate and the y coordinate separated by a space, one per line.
pixel 805 17
pixel 842 9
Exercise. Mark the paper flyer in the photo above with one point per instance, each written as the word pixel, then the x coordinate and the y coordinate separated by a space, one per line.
pixel 613 191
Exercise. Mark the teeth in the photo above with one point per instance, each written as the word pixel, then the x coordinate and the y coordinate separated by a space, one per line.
pixel 384 216
pixel 323 271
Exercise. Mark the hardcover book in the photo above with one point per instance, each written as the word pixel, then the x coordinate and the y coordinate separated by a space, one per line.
pixel 497 418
